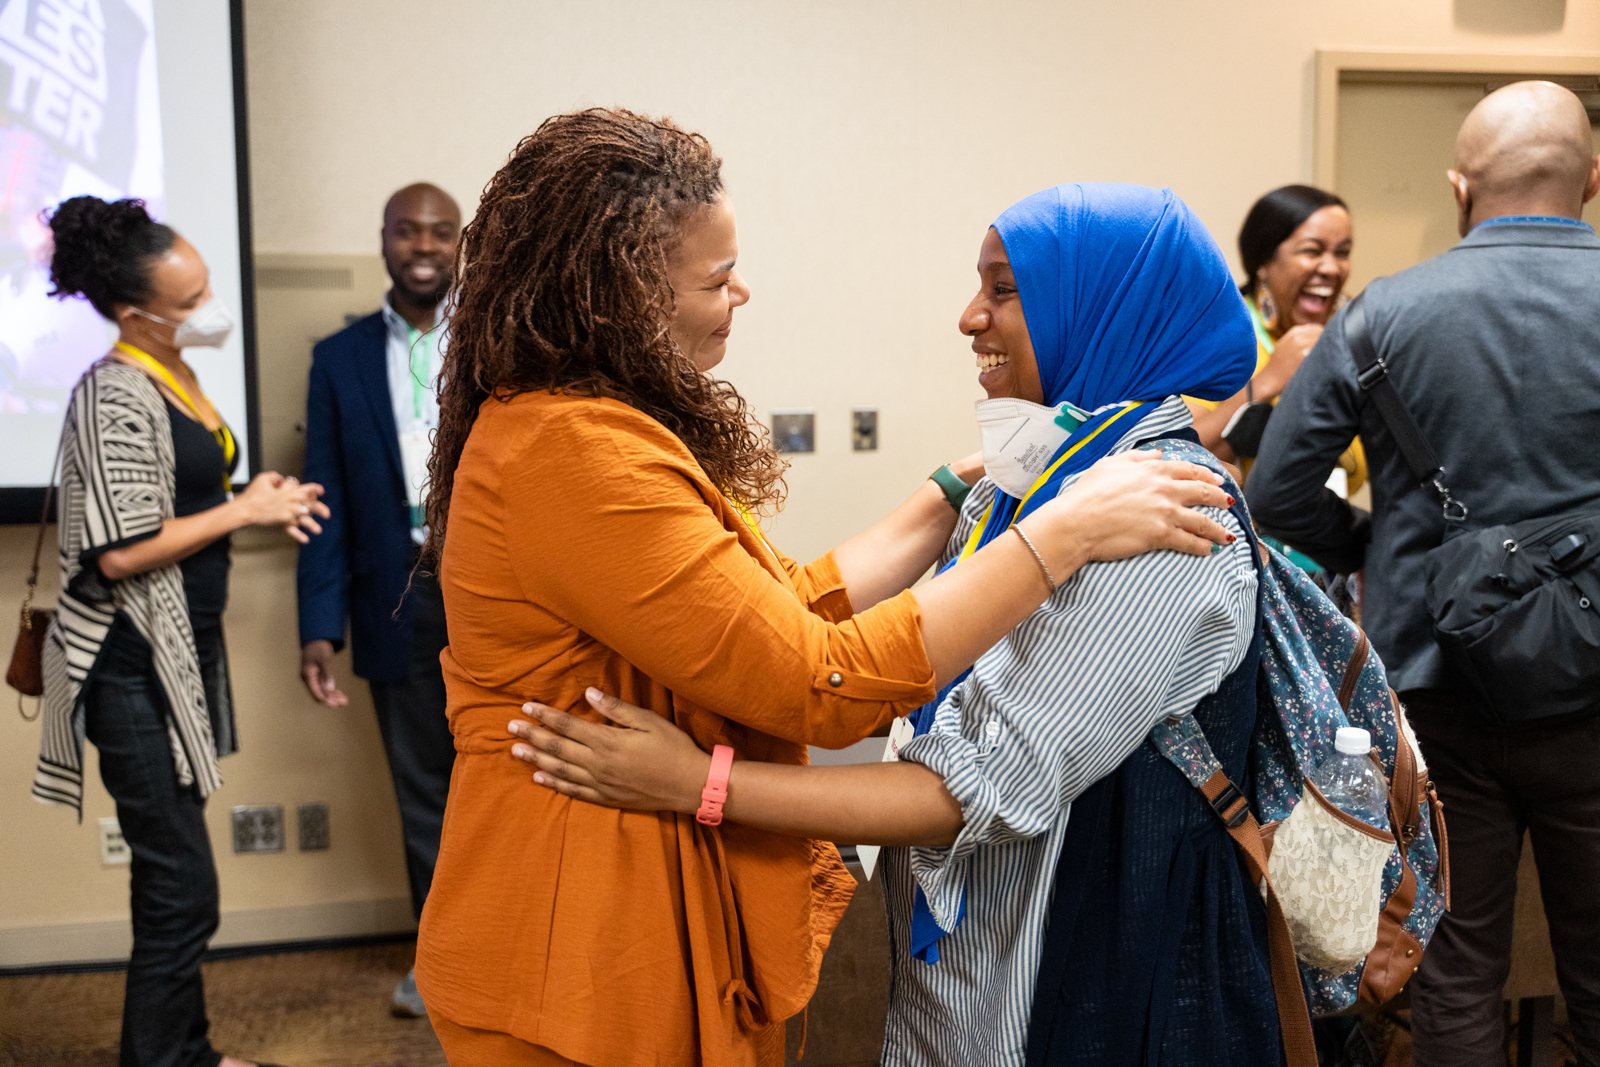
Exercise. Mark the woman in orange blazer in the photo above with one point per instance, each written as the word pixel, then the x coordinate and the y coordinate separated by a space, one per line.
pixel 592 503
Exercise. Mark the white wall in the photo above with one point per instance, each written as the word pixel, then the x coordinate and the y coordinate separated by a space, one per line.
pixel 867 147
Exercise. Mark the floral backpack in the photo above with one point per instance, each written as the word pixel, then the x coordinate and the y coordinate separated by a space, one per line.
pixel 1354 925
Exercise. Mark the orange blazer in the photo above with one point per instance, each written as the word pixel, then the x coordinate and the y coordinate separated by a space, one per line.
pixel 587 547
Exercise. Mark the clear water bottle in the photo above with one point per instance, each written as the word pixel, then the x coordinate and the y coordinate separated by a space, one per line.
pixel 1351 780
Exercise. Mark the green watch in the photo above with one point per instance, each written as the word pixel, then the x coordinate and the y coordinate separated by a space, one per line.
pixel 955 490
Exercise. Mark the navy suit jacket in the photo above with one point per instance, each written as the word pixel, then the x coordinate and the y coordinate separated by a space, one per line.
pixel 358 567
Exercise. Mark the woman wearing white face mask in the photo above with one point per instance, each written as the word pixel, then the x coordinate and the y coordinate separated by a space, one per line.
pixel 135 660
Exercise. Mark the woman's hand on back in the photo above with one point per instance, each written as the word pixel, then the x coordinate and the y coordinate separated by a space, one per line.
pixel 649 764
pixel 1135 502
pixel 274 500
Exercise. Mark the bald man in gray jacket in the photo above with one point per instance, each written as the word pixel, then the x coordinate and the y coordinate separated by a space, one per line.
pixel 1494 347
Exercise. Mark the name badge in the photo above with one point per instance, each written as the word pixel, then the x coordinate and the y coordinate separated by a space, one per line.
pixel 900 734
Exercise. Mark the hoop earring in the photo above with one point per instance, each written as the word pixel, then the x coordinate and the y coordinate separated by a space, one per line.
pixel 1265 304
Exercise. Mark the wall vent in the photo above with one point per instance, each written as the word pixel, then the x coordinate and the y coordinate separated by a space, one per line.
pixel 305 278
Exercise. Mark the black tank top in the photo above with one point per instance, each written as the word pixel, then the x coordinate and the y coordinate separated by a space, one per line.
pixel 201 467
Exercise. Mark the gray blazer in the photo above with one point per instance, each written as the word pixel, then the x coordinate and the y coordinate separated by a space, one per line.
pixel 1495 348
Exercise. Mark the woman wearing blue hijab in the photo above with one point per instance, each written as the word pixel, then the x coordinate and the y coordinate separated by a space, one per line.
pixel 1099 307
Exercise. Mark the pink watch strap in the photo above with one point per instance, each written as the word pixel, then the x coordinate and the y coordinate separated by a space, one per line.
pixel 715 794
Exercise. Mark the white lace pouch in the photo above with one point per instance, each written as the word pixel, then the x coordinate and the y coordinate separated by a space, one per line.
pixel 1327 867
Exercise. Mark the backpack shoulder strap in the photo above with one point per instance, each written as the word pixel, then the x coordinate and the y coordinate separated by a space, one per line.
pixel 1372 374
pixel 1184 744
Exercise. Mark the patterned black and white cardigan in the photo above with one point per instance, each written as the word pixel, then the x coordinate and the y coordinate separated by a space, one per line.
pixel 118 485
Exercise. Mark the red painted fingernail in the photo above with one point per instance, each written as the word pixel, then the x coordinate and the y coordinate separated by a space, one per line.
pixel 1232 539
pixel 1230 501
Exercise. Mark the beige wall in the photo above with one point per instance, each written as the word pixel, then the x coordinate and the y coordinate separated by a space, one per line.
pixel 867 146
pixel 58 903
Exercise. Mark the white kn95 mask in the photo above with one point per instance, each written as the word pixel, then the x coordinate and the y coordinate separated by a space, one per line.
pixel 1020 438
pixel 207 327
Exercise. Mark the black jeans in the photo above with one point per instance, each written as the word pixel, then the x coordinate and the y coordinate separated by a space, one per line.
pixel 1495 787
pixel 417 738
pixel 174 879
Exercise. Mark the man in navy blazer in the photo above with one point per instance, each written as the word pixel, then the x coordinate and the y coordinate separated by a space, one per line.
pixel 370 413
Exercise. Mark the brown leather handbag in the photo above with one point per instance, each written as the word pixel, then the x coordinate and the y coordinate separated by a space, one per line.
pixel 26 673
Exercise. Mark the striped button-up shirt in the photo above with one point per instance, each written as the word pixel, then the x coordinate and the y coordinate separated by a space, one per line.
pixel 1055 706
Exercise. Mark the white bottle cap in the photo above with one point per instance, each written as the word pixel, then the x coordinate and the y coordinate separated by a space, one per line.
pixel 1352 741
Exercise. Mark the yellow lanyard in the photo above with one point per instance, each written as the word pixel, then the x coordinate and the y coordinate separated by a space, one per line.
pixel 223 435
pixel 755 527
pixel 749 519
pixel 977 531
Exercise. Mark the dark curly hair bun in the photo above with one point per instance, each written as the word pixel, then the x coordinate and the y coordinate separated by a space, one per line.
pixel 104 251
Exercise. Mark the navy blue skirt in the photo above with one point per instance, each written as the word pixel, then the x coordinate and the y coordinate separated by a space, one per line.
pixel 1156 948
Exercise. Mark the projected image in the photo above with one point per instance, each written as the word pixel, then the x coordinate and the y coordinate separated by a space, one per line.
pixel 81 115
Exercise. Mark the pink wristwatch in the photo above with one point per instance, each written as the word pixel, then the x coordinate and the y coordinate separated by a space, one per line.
pixel 715 794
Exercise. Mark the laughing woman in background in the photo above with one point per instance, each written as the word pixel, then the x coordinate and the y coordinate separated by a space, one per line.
pixel 135 660
pixel 1295 247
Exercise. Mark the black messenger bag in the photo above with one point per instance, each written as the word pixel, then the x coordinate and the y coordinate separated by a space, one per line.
pixel 1516 608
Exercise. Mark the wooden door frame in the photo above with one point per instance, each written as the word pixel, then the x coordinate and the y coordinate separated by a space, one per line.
pixel 1333 64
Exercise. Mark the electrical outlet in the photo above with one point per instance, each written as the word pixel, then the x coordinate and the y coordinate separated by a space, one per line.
pixel 313 827
pixel 114 849
pixel 794 430
pixel 258 828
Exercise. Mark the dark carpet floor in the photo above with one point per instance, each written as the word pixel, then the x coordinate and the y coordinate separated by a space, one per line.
pixel 325 1008
pixel 330 1008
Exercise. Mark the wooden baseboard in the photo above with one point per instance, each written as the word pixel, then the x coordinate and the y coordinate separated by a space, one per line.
pixel 38 946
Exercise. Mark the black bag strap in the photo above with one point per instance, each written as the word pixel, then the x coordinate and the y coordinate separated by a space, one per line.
pixel 1373 375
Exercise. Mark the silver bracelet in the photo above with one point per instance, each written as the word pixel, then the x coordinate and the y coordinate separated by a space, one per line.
pixel 1048 577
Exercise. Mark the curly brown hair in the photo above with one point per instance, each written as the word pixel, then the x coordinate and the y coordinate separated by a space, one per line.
pixel 563 287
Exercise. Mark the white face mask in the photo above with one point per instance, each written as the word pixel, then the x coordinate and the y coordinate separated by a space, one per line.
pixel 207 327
pixel 1020 438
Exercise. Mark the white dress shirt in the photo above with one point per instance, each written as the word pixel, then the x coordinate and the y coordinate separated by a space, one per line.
pixel 413 360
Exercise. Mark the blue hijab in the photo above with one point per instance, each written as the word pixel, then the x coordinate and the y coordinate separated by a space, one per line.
pixel 1127 298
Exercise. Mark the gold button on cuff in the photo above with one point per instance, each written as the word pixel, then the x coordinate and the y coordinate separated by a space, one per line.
pixel 836 679
pixel 1410 952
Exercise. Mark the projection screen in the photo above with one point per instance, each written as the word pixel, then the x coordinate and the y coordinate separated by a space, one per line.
pixel 115 98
